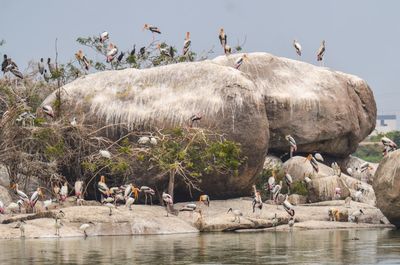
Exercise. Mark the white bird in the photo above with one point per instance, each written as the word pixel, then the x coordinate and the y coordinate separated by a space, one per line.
pixel 109 206
pixel 35 197
pixel 291 222
pixel 78 187
pixel 64 192
pixel 47 203
pixel 21 226
pixel 350 171
pixel 147 192
pixel 109 200
pixel 307 180
pixel 104 36
pixel 153 141
pixel 292 143
pixel 84 227
pixel 41 66
pixel 57 225
pixel 257 200
pixel 15 207
pixel 358 195
pixel 74 122
pixel 190 207
pixel 289 181
pixel 103 188
pixel 48 110
pixel 112 51
pixel 129 202
pixel 168 201
pixel 105 154
pixel 313 162
pixel 276 191
pixel 205 199
pixel 2 210
pixel 355 216
pixel 288 207
pixel 297 47
pixel 319 157
pixel 144 140
pixel 236 214
pixel 21 194
pixel 240 61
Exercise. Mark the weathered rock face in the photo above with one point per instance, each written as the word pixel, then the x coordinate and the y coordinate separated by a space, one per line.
pixel 5 195
pixel 387 187
pixel 167 96
pixel 324 110
pixel 324 182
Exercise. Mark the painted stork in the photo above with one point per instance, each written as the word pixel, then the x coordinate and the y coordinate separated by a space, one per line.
pixel 186 44
pixel 112 51
pixel 276 191
pixel 9 65
pixel 104 36
pixel 236 213
pixel 257 201
pixel 48 110
pixel 78 187
pixel 83 61
pixel 297 47
pixel 41 66
pixel 128 203
pixel 84 227
pixel 313 162
pixel 240 61
pixel 205 199
pixel 147 192
pixel 222 37
pixel 103 188
pixel 292 143
pixel 288 207
pixel 168 201
pixel 289 181
pixel 321 52
pixel 152 29
pixel 64 192
pixel 51 66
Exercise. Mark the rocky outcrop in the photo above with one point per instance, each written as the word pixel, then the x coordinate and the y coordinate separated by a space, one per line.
pixel 5 195
pixel 324 183
pixel 324 110
pixel 387 187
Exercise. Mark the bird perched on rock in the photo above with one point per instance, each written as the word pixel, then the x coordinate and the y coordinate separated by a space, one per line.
pixel 297 47
pixel 48 110
pixel 236 213
pixel 83 61
pixel 257 201
pixel 205 199
pixel 355 216
pixel 168 202
pixel 313 162
pixel 292 143
pixel 35 197
pixel 276 191
pixel 321 51
pixel 64 192
pixel 78 187
pixel 240 61
pixel 51 67
pixel 21 226
pixel 47 204
pixel 289 181
pixel 128 203
pixel 186 44
pixel 223 39
pixel 227 49
pixel 22 195
pixel 190 207
pixel 389 145
pixel 57 225
pixel 103 188
pixel 291 223
pixel 109 206
pixel 147 192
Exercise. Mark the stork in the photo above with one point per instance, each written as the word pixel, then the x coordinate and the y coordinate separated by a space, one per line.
pixel 257 201
pixel 78 189
pixel 41 66
pixel 9 65
pixel 83 61
pixel 48 110
pixel 112 51
pixel 104 36
pixel 292 143
pixel 297 47
pixel 205 199
pixel 22 196
pixel 35 197
pixel 195 118
pixel 84 227
pixel 276 191
pixel 21 226
pixel 236 213
pixel 152 29
pixel 240 61
pixel 186 44
pixel 313 162
pixel 105 154
pixel 2 209
pixel 319 157
pixel 336 169
pixel 168 202
pixel 57 225
pixel 128 203
pixel 288 207
pixel 321 52
pixel 289 181
pixel 64 192
pixel 147 191
pixel 227 50
pixel 355 216
pixel 222 38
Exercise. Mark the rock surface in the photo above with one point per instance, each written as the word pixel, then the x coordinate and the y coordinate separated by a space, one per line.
pixel 324 182
pixel 144 220
pixel 324 110
pixel 5 195
pixel 387 187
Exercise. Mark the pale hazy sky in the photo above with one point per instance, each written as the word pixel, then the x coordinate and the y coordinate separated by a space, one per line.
pixel 362 36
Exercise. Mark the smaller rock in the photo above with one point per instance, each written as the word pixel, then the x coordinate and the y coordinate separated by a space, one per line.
pixel 296 199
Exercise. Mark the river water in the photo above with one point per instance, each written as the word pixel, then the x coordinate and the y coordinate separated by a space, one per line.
pixel 297 247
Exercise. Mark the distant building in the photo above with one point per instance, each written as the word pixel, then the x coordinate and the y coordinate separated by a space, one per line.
pixel 385 123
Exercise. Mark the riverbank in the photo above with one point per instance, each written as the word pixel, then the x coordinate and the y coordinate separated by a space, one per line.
pixel 146 220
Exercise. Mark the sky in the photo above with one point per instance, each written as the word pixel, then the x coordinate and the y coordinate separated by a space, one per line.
pixel 362 36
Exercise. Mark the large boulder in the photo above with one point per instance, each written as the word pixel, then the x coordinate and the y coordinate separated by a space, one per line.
pixel 324 110
pixel 165 97
pixel 387 187
pixel 324 183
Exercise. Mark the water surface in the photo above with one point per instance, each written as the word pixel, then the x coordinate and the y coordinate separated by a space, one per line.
pixel 297 247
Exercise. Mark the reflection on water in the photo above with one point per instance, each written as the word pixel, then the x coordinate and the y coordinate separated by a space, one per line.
pixel 301 247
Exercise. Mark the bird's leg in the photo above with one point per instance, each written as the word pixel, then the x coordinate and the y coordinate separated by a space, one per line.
pixel 110 212
pixel 288 188
pixel 145 199
pixel 291 152
pixel 239 219
pixel 130 207
pixel 84 232
pixel 151 200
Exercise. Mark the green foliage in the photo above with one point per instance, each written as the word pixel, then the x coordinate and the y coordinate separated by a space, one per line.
pixel 299 187
pixel 369 152
pixel 89 166
pixel 119 167
pixel 56 151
